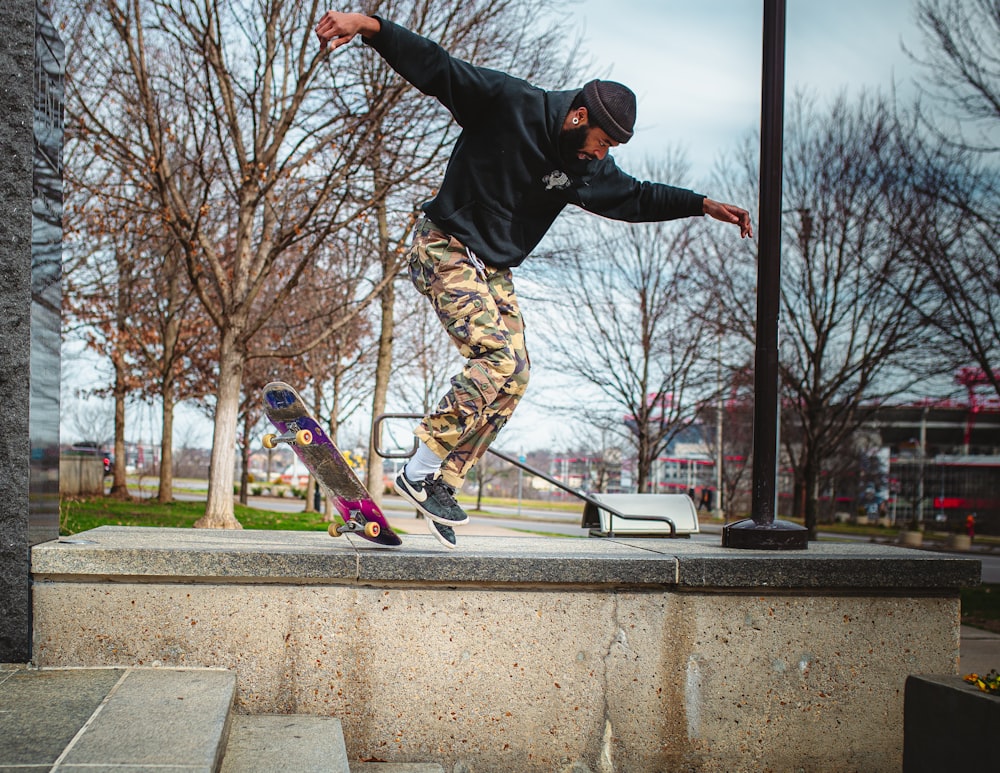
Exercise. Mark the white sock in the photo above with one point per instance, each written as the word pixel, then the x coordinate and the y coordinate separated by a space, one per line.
pixel 424 462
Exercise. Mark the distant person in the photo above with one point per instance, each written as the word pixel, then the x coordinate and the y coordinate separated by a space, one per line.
pixel 970 525
pixel 524 154
pixel 706 500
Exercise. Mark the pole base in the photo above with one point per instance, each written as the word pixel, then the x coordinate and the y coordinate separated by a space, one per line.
pixel 778 535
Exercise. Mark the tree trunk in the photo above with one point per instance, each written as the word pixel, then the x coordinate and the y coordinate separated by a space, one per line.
pixel 171 341
pixel 383 365
pixel 644 466
pixel 311 495
pixel 799 498
pixel 329 511
pixel 311 485
pixel 165 491
pixel 245 467
pixel 809 481
pixel 383 368
pixel 119 482
pixel 219 513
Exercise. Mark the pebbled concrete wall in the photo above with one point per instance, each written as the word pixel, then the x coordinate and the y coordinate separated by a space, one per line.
pixel 532 680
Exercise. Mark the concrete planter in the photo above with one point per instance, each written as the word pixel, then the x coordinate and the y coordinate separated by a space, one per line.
pixel 960 542
pixel 637 655
pixel 912 539
pixel 948 725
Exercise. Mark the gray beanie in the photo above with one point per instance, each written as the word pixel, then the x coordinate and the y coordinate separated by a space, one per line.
pixel 612 107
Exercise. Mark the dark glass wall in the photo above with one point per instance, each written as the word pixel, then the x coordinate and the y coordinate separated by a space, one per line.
pixel 46 276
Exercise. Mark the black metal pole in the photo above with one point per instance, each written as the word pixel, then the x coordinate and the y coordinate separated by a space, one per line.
pixel 765 423
pixel 763 530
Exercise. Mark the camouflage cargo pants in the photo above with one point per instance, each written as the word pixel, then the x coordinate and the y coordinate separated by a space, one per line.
pixel 478 307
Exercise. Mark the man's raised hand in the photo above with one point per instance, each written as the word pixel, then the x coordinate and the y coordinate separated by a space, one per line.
pixel 729 213
pixel 336 28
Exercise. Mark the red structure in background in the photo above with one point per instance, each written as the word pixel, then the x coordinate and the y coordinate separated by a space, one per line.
pixel 971 378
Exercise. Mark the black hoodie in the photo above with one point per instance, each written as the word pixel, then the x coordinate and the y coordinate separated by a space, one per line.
pixel 506 181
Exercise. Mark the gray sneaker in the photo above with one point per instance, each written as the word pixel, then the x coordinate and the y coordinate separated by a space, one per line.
pixel 433 497
pixel 445 534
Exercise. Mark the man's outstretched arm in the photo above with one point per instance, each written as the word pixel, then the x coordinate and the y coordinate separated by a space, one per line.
pixel 729 213
pixel 336 28
pixel 466 90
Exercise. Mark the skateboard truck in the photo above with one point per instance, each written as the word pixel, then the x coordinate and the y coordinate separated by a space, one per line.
pixel 301 438
pixel 355 524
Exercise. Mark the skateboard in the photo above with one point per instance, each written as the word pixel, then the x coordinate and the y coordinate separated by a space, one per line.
pixel 289 414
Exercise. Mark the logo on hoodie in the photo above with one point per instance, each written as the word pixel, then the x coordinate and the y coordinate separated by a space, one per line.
pixel 556 179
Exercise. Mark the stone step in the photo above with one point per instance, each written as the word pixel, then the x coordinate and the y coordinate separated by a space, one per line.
pixel 147 720
pixel 285 742
pixel 113 719
pixel 301 744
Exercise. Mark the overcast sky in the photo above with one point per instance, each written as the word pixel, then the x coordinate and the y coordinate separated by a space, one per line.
pixel 696 66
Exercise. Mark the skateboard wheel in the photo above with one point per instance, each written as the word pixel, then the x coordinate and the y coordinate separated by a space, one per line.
pixel 334 530
pixel 303 437
pixel 269 440
pixel 372 529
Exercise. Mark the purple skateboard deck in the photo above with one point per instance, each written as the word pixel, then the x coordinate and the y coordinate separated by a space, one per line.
pixel 286 411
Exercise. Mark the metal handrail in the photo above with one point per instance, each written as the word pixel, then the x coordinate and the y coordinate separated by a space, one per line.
pixel 377 435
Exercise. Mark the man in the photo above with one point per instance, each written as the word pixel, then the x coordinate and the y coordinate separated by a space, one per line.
pixel 522 156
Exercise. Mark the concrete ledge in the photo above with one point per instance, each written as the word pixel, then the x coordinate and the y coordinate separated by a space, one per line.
pixel 294 557
pixel 526 654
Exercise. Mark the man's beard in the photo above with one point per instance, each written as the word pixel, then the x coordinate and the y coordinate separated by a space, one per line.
pixel 571 142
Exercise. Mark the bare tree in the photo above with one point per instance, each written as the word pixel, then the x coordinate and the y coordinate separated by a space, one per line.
pixel 848 338
pixel 102 326
pixel 488 471
pixel 961 69
pixel 259 371
pixel 954 239
pixel 128 293
pixel 954 174
pixel 734 409
pixel 216 106
pixel 175 350
pixel 624 319
pixel 249 160
pixel 128 298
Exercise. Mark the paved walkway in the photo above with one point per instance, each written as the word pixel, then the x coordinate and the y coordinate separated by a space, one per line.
pixel 979 651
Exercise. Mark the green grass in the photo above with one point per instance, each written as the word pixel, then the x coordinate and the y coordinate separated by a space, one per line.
pixel 981 607
pixel 76 515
